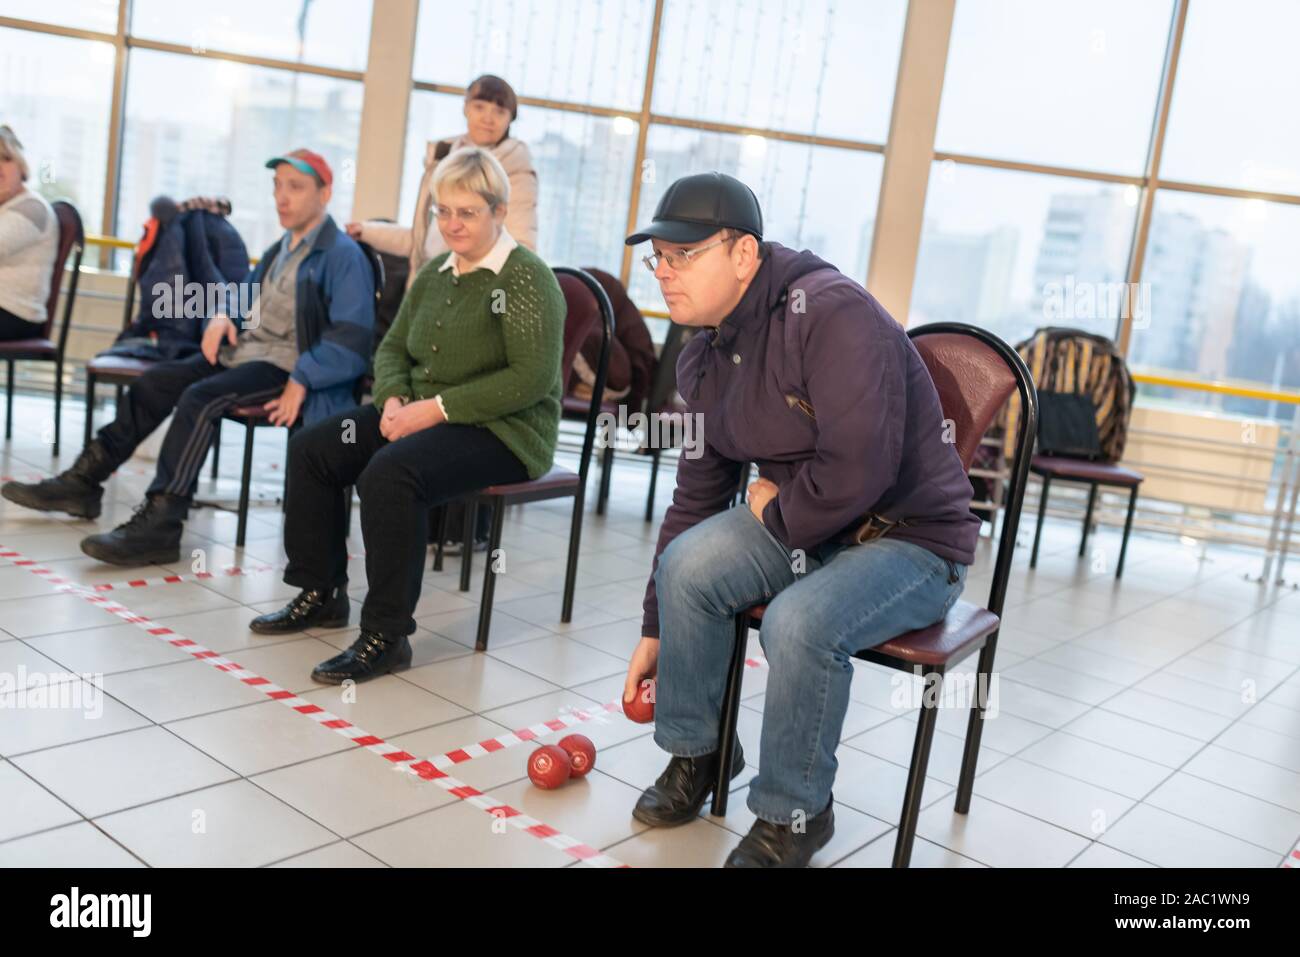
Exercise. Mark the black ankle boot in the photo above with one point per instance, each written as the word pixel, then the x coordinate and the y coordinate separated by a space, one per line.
pixel 78 490
pixel 781 845
pixel 371 655
pixel 152 536
pixel 313 608
pixel 679 793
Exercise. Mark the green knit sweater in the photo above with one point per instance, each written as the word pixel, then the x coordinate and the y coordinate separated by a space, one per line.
pixel 490 345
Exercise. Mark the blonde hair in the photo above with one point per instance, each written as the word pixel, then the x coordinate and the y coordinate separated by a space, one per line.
pixel 475 170
pixel 12 149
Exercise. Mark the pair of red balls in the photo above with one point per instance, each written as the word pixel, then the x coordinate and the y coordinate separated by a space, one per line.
pixel 551 765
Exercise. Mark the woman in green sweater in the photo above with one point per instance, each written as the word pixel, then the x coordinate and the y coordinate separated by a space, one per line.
pixel 466 395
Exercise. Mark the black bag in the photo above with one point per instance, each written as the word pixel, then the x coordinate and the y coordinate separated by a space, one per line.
pixel 1067 426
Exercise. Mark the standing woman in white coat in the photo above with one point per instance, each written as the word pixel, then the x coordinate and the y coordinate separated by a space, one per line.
pixel 490 106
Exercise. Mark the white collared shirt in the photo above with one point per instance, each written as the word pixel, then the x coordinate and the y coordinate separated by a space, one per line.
pixel 494 260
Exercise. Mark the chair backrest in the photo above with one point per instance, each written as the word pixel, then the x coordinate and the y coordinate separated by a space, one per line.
pixel 665 378
pixel 976 373
pixel 586 302
pixel 72 240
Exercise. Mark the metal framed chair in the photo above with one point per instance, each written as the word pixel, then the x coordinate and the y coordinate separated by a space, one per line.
pixel 1052 468
pixel 72 240
pixel 586 302
pixel 251 417
pixel 975 373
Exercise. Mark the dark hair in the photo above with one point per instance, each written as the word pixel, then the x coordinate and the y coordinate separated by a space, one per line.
pixel 495 90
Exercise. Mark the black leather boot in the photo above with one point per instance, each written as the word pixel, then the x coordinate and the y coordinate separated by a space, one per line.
pixel 679 793
pixel 780 845
pixel 371 655
pixel 78 491
pixel 313 608
pixel 151 536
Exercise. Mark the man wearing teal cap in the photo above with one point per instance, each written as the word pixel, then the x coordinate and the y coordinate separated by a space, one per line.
pixel 298 353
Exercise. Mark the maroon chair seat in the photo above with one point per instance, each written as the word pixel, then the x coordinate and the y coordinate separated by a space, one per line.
pixel 558 481
pixel 1052 468
pixel 28 349
pixel 1079 470
pixel 123 367
pixel 945 642
pixel 574 407
pixel 974 374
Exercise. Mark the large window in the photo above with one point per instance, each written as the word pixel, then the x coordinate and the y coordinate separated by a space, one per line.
pixel 1233 118
pixel 812 197
pixel 331 33
pixel 1013 251
pixel 60 114
pixel 213 133
pixel 583 164
pixel 577 51
pixel 810 85
pixel 99 15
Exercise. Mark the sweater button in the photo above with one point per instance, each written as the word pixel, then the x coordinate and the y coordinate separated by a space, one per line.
pixel 735 357
pixel 455 280
pixel 437 323
pixel 435 348
pixel 449 302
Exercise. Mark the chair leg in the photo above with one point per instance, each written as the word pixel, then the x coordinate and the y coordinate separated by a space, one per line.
pixel 90 408
pixel 58 404
pixel 654 477
pixel 490 575
pixel 925 726
pixel 1087 519
pixel 444 520
pixel 730 717
pixel 245 480
pixel 1038 529
pixel 975 726
pixel 467 543
pixel 1128 527
pixel 606 467
pixel 9 401
pixel 571 565
pixel 347 510
pixel 216 448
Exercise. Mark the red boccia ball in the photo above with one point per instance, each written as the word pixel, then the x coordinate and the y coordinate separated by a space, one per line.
pixel 548 766
pixel 581 752
pixel 641 708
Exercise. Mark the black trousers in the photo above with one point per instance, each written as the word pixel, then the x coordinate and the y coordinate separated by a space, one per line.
pixel 196 394
pixel 398 483
pixel 12 327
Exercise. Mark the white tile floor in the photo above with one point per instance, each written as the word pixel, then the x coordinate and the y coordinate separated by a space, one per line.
pixel 1154 723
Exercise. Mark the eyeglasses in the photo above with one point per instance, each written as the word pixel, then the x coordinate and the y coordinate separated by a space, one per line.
pixel 679 258
pixel 467 216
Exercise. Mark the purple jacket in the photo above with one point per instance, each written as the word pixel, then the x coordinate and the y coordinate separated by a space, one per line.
pixel 872 438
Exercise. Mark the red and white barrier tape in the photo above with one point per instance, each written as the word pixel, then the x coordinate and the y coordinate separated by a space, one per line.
pixel 232 571
pixel 425 770
pixel 1293 859
pixel 569 718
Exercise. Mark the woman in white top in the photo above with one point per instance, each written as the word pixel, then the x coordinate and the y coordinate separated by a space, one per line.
pixel 490 106
pixel 29 241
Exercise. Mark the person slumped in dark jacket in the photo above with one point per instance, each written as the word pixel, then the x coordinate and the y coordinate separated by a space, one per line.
pixel 804 373
pixel 299 352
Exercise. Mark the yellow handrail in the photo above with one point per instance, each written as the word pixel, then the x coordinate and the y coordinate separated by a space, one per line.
pixel 1218 387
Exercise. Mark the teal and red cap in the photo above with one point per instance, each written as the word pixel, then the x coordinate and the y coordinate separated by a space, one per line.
pixel 305 161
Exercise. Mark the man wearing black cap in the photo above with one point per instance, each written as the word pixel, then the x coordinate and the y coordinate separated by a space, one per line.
pixel 804 373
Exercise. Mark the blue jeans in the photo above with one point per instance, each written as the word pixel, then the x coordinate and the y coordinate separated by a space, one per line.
pixel 822 608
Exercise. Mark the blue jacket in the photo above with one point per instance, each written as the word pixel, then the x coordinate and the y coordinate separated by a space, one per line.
pixel 335 312
pixel 195 247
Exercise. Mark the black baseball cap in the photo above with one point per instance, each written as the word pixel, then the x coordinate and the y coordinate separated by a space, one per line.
pixel 695 207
